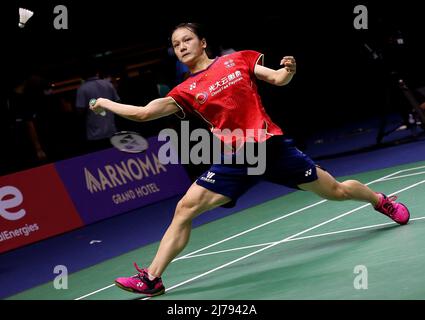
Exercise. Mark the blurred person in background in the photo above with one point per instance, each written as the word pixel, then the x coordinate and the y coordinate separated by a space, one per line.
pixel 98 128
pixel 25 148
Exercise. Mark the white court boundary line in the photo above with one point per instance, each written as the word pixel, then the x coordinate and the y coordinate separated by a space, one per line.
pixel 300 238
pixel 262 225
pixel 404 176
pixel 282 241
pixel 289 214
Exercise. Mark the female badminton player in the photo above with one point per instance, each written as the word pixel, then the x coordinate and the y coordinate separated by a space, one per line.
pixel 223 93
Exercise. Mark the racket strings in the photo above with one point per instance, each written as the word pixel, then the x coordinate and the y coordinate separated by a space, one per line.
pixel 129 142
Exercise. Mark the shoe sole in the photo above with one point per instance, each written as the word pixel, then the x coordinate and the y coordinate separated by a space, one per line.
pixel 138 292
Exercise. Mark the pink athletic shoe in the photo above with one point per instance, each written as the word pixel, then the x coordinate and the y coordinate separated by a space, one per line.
pixel 396 211
pixel 140 283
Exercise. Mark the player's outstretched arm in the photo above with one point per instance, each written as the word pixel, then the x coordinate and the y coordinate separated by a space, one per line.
pixel 279 77
pixel 155 109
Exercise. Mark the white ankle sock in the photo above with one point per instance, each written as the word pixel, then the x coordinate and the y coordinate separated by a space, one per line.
pixel 151 277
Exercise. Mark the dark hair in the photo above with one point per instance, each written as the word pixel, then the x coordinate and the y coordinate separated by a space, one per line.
pixel 196 28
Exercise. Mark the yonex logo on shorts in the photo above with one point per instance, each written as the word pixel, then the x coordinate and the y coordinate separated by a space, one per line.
pixel 192 86
pixel 308 173
pixel 209 176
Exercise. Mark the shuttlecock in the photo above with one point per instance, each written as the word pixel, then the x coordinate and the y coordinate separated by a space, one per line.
pixel 24 16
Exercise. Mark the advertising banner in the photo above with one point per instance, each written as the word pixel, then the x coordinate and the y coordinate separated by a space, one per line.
pixel 34 205
pixel 111 182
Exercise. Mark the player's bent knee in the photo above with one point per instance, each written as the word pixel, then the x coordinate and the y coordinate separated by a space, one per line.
pixel 342 192
pixel 187 209
pixel 338 193
pixel 349 187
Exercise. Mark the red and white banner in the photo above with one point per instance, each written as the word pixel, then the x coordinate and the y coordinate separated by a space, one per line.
pixel 34 205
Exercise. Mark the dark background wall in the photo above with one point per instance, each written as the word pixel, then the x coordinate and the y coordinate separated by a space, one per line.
pixel 338 81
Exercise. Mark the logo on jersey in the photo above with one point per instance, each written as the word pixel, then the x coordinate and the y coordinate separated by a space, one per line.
pixel 209 176
pixel 192 86
pixel 225 82
pixel 201 97
pixel 229 63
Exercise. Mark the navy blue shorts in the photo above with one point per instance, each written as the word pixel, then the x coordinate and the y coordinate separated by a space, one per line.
pixel 285 165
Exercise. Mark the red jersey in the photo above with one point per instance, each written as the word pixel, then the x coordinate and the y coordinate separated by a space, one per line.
pixel 225 95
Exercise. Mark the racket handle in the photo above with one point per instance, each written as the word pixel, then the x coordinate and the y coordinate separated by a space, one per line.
pixel 102 112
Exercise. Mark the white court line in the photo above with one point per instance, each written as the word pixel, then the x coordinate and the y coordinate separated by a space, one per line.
pixel 411 169
pixel 281 241
pixel 249 230
pixel 300 238
pixel 226 250
pixel 274 220
pixel 94 292
pixel 404 176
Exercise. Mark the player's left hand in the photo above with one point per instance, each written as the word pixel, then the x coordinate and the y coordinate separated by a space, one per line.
pixel 41 155
pixel 289 63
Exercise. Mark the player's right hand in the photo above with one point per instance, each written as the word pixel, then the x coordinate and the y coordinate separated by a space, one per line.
pixel 96 105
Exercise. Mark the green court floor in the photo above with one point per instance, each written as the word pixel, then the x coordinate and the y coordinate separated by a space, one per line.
pixel 297 246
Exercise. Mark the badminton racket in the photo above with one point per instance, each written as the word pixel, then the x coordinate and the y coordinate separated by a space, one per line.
pixel 129 141
pixel 125 141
